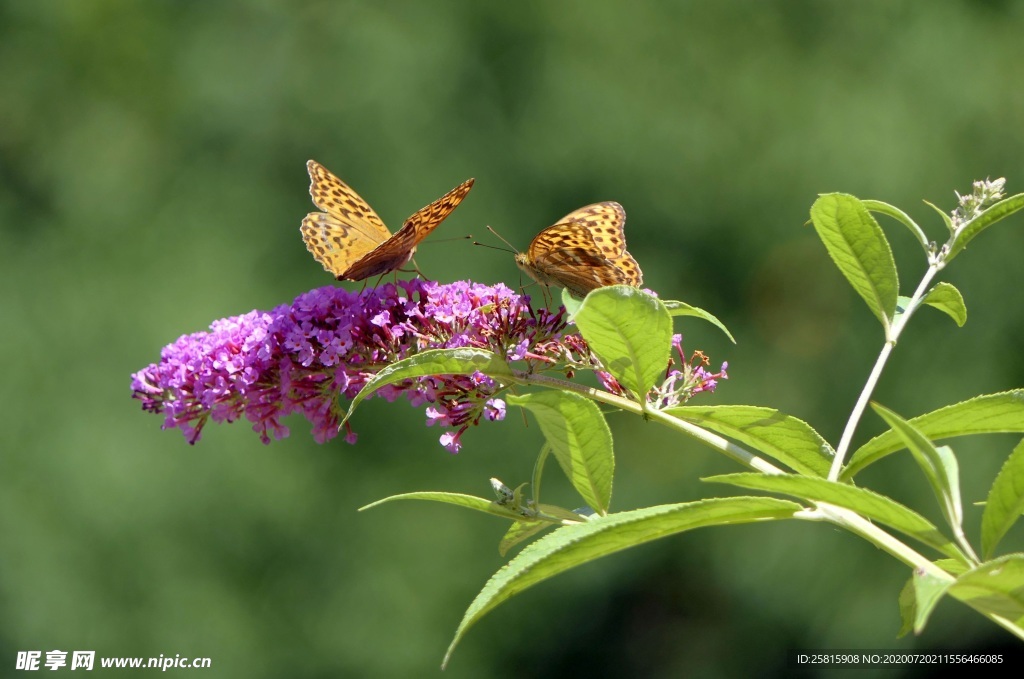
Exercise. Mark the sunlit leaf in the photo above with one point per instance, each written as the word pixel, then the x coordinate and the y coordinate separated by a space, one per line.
pixel 877 507
pixel 900 216
pixel 779 436
pixel 463 361
pixel 580 439
pixel 573 546
pixel 631 332
pixel 1005 501
pixel 995 587
pixel 990 216
pixel 988 414
pixel 676 308
pixel 947 299
pixel 859 248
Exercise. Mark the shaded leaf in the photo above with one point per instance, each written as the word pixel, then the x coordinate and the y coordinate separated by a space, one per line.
pixel 995 587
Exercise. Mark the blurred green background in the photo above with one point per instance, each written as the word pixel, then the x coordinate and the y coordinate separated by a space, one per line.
pixel 152 179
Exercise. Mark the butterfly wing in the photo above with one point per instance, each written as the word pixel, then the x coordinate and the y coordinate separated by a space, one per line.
pixel 346 230
pixel 584 251
pixel 398 249
pixel 606 223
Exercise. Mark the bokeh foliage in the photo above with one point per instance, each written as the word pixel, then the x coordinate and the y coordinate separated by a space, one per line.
pixel 152 179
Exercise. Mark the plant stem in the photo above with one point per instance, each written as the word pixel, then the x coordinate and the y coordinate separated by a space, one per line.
pixel 895 329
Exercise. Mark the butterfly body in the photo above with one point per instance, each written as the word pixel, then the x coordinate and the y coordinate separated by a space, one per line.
pixel 584 251
pixel 351 241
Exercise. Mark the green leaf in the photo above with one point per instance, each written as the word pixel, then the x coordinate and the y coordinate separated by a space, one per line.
pixel 865 502
pixel 947 299
pixel 993 214
pixel 571 304
pixel 1005 501
pixel 858 247
pixel 945 216
pixel 676 308
pixel 988 414
pixel 938 464
pixel 580 439
pixel 900 216
pixel 469 501
pixel 782 437
pixel 573 546
pixel 928 590
pixel 995 587
pixel 631 332
pixel 520 531
pixel 908 608
pixel 462 361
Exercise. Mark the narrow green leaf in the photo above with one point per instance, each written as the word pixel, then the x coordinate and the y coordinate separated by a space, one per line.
pixel 469 501
pixel 858 247
pixel 781 437
pixel 952 566
pixel 518 532
pixel 938 464
pixel 865 502
pixel 676 308
pixel 993 214
pixel 573 546
pixel 1005 501
pixel 928 590
pixel 631 332
pixel 947 299
pixel 580 439
pixel 988 414
pixel 900 216
pixel 908 608
pixel 945 216
pixel 995 587
pixel 462 361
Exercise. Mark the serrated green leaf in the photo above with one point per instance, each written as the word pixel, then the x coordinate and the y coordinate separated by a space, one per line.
pixel 574 546
pixel 468 501
pixel 580 439
pixel 1005 501
pixel 947 299
pixel 995 587
pixel 779 436
pixel 900 216
pixel 987 414
pixel 990 216
pixel 677 308
pixel 877 507
pixel 938 464
pixel 631 332
pixel 928 590
pixel 858 246
pixel 463 361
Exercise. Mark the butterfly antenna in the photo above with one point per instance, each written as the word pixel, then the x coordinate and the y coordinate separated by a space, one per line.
pixel 491 229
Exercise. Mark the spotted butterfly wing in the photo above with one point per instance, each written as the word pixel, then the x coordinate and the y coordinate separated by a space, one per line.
pixel 351 241
pixel 585 250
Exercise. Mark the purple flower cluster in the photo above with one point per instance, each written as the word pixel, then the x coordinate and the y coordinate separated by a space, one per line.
pixel 689 379
pixel 329 342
